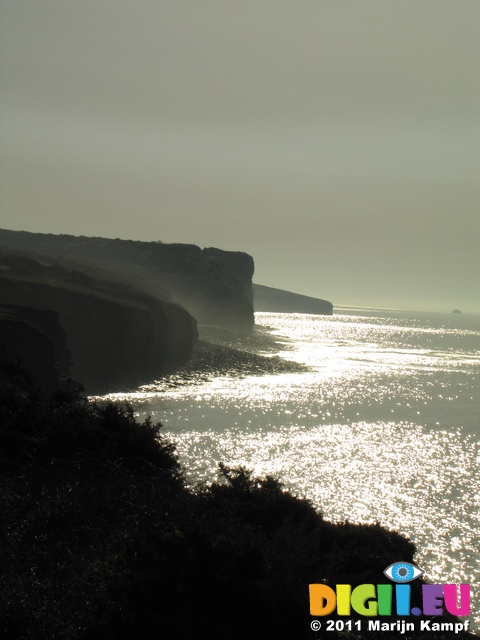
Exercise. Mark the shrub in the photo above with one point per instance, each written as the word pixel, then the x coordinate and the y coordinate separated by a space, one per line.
pixel 100 538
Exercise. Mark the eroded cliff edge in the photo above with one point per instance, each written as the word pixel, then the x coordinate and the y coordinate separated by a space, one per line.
pixel 33 344
pixel 214 286
pixel 117 336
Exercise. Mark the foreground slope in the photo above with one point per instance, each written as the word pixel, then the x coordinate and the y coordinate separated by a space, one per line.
pixel 101 539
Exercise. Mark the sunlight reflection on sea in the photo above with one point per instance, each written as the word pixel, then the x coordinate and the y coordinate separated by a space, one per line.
pixel 384 427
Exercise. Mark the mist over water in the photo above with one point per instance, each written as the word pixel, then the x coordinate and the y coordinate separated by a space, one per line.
pixel 383 427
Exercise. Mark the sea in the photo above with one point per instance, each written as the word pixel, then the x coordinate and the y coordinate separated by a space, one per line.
pixel 381 425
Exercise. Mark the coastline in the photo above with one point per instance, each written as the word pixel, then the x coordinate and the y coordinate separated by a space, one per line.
pixel 96 502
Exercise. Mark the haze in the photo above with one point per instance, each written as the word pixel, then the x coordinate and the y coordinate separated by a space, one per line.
pixel 336 142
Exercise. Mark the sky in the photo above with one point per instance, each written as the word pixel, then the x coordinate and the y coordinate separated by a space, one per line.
pixel 337 142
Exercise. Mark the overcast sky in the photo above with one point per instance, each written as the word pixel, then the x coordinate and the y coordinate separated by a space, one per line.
pixel 336 141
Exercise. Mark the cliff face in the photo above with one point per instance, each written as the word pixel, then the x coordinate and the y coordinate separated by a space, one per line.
pixel 34 339
pixel 214 286
pixel 279 301
pixel 115 335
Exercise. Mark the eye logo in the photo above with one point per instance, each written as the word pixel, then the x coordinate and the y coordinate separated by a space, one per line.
pixel 403 572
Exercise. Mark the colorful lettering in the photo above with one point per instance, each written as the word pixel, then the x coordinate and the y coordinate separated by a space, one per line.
pixel 361 595
pixel 344 592
pixel 402 595
pixel 322 600
pixel 433 599
pixel 450 595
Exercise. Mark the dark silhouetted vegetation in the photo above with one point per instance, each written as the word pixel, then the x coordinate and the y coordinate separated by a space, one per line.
pixel 101 539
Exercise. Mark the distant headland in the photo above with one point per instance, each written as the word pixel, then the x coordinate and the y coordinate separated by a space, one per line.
pixel 280 301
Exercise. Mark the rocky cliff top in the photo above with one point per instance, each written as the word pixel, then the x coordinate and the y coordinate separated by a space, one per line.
pixel 215 286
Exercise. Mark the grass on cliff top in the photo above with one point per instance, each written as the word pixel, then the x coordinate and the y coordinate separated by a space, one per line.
pixel 100 538
pixel 62 274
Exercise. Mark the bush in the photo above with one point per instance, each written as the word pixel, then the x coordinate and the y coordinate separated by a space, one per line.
pixel 101 539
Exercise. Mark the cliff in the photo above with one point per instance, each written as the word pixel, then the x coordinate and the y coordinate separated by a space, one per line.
pixel 213 285
pixel 279 301
pixel 116 335
pixel 33 341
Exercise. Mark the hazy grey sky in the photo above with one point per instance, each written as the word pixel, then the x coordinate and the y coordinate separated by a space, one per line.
pixel 337 141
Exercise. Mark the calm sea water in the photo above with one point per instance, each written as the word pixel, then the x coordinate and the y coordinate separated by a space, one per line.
pixel 383 428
